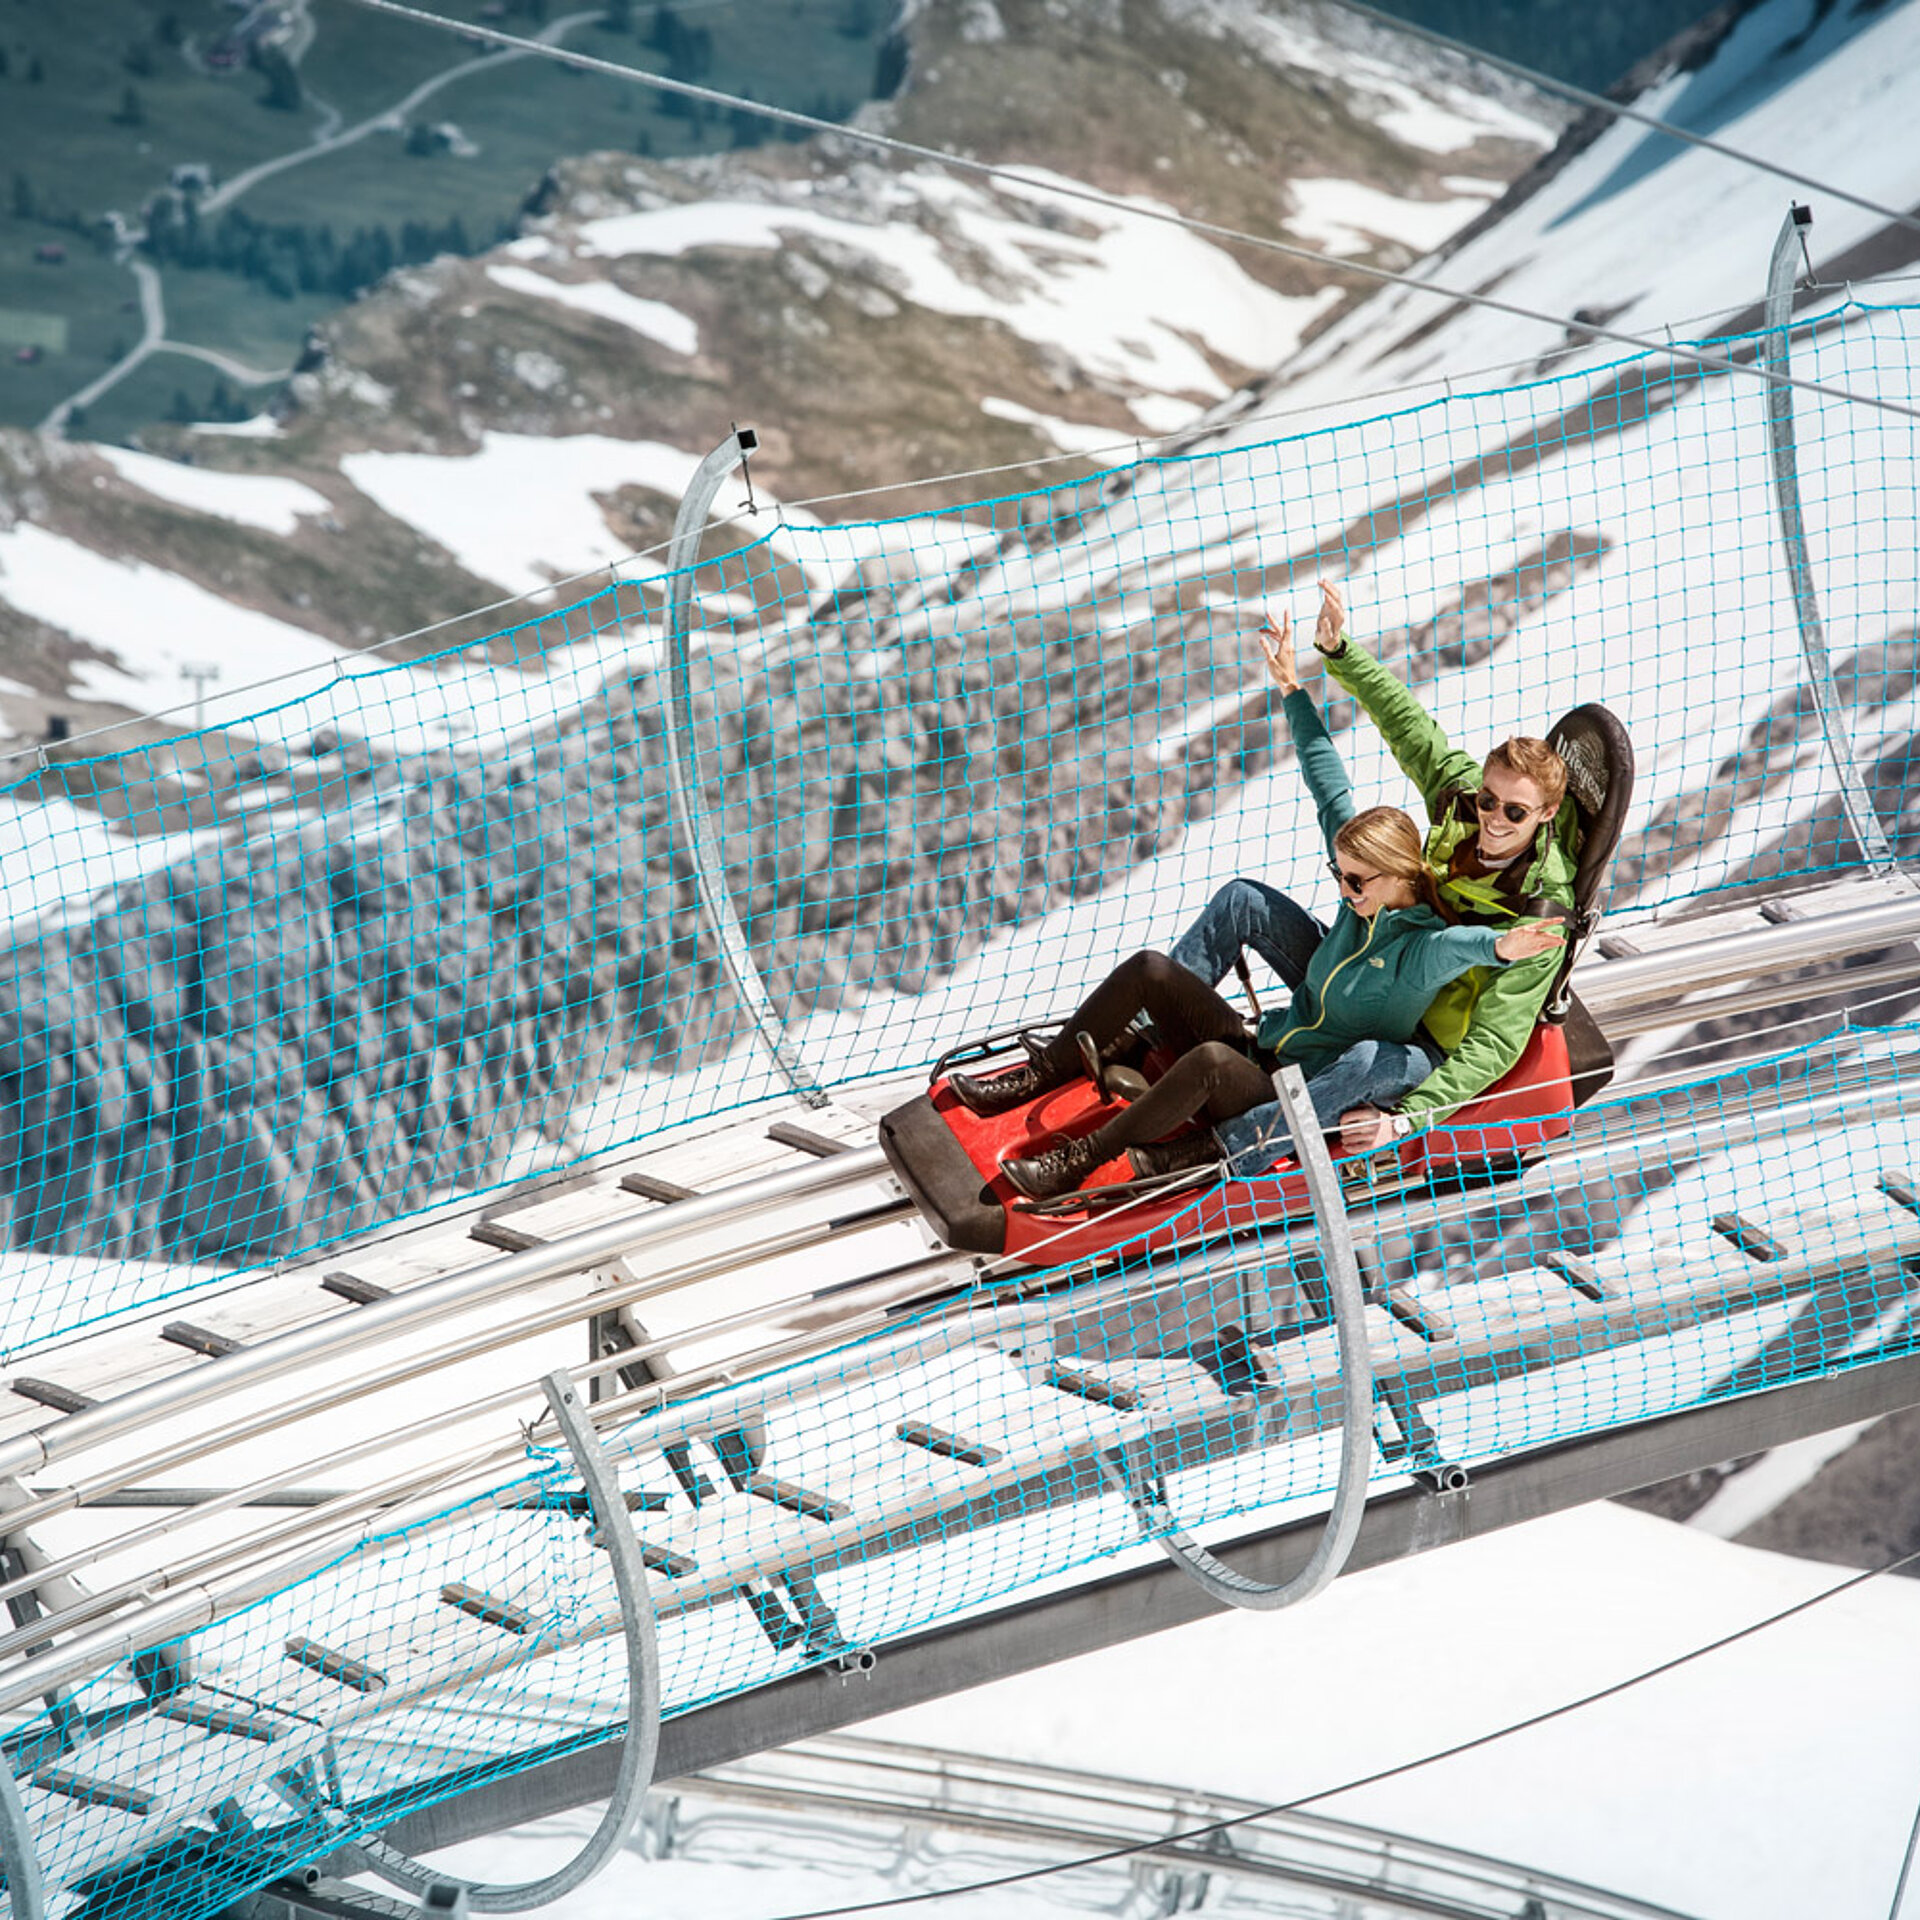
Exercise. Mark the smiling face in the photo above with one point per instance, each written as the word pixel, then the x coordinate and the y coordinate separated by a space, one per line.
pixel 1366 889
pixel 1511 808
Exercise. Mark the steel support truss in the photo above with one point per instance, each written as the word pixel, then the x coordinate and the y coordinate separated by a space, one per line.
pixel 1149 1599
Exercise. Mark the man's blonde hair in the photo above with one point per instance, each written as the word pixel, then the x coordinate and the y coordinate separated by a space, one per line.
pixel 1534 760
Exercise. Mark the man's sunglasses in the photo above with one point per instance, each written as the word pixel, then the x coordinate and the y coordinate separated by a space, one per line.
pixel 1490 802
pixel 1353 882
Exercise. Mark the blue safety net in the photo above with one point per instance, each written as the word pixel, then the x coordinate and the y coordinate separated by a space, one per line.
pixel 881 789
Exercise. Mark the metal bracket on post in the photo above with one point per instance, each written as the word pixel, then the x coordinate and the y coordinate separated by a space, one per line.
pixel 641 1746
pixel 1342 1266
pixel 709 871
pixel 1775 350
pixel 1416 1445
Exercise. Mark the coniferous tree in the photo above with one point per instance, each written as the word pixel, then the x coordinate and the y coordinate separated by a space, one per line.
pixel 283 92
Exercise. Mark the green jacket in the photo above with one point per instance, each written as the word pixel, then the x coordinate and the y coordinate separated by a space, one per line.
pixel 1368 979
pixel 1485 1019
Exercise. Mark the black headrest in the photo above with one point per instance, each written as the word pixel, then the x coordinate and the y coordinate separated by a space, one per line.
pixel 1599 761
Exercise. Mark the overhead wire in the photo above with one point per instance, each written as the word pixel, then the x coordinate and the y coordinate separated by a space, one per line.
pixel 1906 1868
pixel 1029 185
pixel 1621 110
pixel 1215 421
pixel 1379 1776
pixel 1133 442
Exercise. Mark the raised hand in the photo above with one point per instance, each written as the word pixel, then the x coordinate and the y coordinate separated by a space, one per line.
pixel 1332 622
pixel 1277 644
pixel 1530 937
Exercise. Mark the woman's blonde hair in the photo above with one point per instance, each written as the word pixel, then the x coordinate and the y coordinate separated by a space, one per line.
pixel 1388 841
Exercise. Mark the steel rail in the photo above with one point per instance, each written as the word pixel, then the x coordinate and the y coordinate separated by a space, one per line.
pixel 168 1620
pixel 864 1752
pixel 1136 1811
pixel 1629 1022
pixel 1359 1885
pixel 1615 982
pixel 1820 1111
pixel 432 1300
pixel 26 1894
pixel 1632 979
pixel 1071 1473
pixel 1401 1214
pixel 353 1502
pixel 345 1513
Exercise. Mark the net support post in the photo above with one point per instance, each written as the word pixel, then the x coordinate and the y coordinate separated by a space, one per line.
pixel 1775 354
pixel 640 1744
pixel 1342 1263
pixel 696 831
pixel 26 1899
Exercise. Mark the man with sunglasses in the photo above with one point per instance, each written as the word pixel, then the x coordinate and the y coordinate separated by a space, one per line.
pixel 1499 849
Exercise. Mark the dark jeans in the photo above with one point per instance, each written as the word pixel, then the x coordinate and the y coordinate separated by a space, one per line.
pixel 1249 913
pixel 1213 1079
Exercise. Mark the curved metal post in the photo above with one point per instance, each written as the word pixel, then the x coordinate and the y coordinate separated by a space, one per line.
pixel 1775 351
pixel 25 1899
pixel 1330 1553
pixel 642 1744
pixel 709 871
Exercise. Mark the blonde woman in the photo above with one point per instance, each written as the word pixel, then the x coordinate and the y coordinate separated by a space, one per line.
pixel 1353 1025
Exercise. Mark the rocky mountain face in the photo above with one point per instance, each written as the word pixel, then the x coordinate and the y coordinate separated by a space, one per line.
pixel 379 969
pixel 382 969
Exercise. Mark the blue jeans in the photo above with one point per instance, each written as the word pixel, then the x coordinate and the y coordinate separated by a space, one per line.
pixel 1249 913
pixel 1371 1073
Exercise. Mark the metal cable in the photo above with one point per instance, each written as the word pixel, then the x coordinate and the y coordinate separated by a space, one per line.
pixel 1112 203
pixel 1379 1775
pixel 1618 110
pixel 692 90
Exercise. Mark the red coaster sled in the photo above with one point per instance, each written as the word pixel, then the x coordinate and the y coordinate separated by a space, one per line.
pixel 950 1160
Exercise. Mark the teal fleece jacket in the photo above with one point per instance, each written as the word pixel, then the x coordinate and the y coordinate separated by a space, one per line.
pixel 1369 979
pixel 1484 1020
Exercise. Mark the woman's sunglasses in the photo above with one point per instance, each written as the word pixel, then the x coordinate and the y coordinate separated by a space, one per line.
pixel 1353 882
pixel 1490 802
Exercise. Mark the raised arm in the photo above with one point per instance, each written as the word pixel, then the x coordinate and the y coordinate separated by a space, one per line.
pixel 1320 762
pixel 1411 733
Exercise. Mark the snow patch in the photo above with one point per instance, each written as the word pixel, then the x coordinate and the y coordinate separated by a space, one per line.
pixel 261 426
pixel 254 500
pixel 665 325
pixel 1070 436
pixel 57 851
pixel 153 624
pixel 520 511
pixel 1140 304
pixel 1347 218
